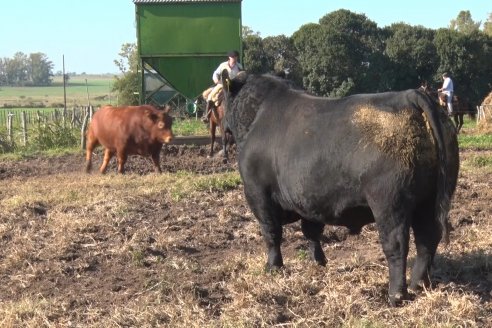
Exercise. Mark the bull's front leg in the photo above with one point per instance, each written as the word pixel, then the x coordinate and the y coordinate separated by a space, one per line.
pixel 224 149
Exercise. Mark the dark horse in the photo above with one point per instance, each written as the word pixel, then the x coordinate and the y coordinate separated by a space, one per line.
pixel 216 121
pixel 460 106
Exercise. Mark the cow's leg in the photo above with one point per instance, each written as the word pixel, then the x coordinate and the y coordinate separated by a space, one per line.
pixel 313 231
pixel 393 227
pixel 156 158
pixel 427 233
pixel 91 144
pixel 108 154
pixel 122 157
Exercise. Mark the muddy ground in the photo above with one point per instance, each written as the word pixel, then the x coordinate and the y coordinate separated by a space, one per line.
pixel 85 274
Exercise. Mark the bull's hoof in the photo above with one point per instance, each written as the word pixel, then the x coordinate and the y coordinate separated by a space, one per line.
pixel 399 298
pixel 273 268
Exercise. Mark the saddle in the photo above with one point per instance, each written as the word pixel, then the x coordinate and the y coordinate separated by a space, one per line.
pixel 215 96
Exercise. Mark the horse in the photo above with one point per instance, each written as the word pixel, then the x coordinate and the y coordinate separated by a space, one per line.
pixel 217 113
pixel 460 107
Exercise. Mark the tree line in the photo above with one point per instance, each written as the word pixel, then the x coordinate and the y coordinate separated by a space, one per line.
pixel 347 53
pixel 34 69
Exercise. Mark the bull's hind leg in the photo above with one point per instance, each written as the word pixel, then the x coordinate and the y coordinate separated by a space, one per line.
pixel 313 231
pixel 108 154
pixel 427 233
pixel 393 226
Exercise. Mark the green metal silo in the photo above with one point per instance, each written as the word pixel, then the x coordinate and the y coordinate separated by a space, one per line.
pixel 183 41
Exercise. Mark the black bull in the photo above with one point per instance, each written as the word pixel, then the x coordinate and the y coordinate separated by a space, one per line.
pixel 389 158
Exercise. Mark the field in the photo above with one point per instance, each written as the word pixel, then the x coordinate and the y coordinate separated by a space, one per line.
pixel 97 89
pixel 182 249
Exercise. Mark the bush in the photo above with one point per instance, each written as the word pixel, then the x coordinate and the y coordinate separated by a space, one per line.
pixel 53 135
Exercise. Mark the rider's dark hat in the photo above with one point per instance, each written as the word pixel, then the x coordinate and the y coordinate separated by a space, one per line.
pixel 233 53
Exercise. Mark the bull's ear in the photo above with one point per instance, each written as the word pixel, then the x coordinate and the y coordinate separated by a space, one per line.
pixel 226 80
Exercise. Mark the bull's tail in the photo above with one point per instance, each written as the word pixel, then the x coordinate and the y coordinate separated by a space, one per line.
pixel 444 189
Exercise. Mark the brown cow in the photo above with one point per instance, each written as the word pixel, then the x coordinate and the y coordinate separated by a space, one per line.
pixel 128 130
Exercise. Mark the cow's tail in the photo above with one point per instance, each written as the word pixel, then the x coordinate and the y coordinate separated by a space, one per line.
pixel 444 190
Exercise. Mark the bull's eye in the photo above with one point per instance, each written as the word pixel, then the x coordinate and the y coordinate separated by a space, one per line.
pixel 160 125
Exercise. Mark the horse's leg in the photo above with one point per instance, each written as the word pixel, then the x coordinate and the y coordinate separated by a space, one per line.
pixel 224 143
pixel 213 127
pixel 456 122
pixel 460 116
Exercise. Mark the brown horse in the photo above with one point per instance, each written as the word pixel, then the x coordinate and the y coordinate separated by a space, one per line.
pixel 460 107
pixel 216 121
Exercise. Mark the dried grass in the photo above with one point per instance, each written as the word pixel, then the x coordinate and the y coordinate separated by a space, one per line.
pixel 403 135
pixel 485 124
pixel 116 251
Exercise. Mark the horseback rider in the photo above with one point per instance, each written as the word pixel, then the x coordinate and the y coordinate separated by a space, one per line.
pixel 448 90
pixel 233 66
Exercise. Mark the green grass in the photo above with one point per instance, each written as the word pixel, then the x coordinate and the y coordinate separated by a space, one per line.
pixel 189 127
pixel 98 86
pixel 475 141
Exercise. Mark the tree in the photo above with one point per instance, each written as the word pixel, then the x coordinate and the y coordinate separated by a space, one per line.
pixel 16 69
pixel 467 59
pixel 487 26
pixel 127 85
pixel 40 69
pixel 335 54
pixel 412 53
pixel 281 54
pixel 464 23
pixel 255 59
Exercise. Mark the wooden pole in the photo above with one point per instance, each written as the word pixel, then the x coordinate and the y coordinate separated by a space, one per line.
pixel 9 126
pixel 24 128
pixel 83 128
pixel 87 88
pixel 64 87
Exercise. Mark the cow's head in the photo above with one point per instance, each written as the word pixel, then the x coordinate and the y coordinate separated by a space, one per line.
pixel 161 126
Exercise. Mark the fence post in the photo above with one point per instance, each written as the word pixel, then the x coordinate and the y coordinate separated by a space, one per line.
pixel 9 126
pixel 82 130
pixel 24 128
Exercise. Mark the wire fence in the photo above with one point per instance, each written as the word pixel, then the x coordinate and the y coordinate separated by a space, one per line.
pixel 17 126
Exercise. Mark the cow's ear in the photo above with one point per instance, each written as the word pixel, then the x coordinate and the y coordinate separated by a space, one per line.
pixel 150 114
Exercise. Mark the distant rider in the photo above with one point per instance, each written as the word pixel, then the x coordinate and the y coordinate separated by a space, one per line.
pixel 448 90
pixel 233 67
